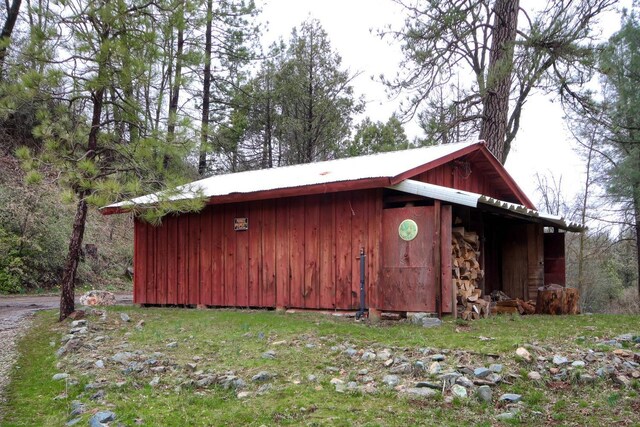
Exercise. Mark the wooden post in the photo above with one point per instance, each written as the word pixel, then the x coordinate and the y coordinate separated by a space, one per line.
pixel 436 255
pixel 374 315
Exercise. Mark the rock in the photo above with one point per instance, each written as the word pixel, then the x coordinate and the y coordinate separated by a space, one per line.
pixel 264 389
pixel 578 364
pixel 510 397
pixel 496 367
pixel 403 368
pixel 278 343
pixel 125 317
pixel 481 372
pixel 450 378
pixel 77 408
pixel 459 391
pixel 98 395
pixel 140 324
pixel 206 381
pixel 351 352
pixel 368 356
pixel 417 318
pixel 79 331
pixel 78 323
pixel 464 381
pixel 624 337
pixel 419 392
pixel 524 354
pixel 419 365
pixel 384 354
pixel 428 384
pixel 484 394
pixel 262 376
pixel 243 395
pixel 58 377
pixel 622 380
pixel 586 379
pixel 122 357
pixel 172 344
pixel 339 385
pixel 391 380
pixel 560 360
pixel 312 378
pixel 232 382
pixel 99 364
pixel 96 297
pixel 366 379
pixel 66 338
pixel 388 363
pixel 493 378
pixel 431 322
pixel 607 370
pixel 505 416
pixel 154 382
pixel 332 369
pixel 435 368
pixel 269 354
pixel 534 376
pixel 101 417
pixel 437 357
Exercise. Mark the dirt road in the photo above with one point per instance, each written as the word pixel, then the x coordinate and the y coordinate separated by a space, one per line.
pixel 15 318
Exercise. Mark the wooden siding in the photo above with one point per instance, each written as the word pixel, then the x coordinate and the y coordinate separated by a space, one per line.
pixel 298 252
pixel 467 176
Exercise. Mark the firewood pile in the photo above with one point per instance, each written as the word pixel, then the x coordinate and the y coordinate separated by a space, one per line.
pixel 465 248
pixel 504 304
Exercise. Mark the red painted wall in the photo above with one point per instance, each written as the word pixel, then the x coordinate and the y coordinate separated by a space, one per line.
pixel 298 252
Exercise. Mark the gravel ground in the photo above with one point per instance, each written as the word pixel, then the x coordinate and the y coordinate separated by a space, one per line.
pixel 13 322
pixel 16 314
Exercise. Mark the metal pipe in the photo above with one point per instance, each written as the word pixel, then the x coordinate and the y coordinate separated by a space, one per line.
pixel 360 312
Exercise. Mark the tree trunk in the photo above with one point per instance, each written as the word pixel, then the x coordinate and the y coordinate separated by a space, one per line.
pixel 7 30
pixel 206 92
pixel 308 154
pixel 495 103
pixel 67 305
pixel 636 204
pixel 175 90
pixel 67 292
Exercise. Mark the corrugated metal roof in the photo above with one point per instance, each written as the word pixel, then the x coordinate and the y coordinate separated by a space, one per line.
pixel 467 198
pixel 380 165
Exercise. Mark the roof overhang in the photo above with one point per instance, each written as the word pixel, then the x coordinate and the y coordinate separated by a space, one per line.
pixel 475 200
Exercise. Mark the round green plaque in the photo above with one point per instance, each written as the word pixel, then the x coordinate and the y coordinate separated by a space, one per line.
pixel 408 229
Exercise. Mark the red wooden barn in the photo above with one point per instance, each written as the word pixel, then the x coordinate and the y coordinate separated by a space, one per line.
pixel 292 236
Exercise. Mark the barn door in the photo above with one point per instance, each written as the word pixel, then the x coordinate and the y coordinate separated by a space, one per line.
pixel 408 273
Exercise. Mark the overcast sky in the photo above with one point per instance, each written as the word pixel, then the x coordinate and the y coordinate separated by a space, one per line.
pixel 542 145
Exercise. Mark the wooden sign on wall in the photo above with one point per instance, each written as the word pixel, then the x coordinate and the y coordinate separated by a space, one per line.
pixel 240 224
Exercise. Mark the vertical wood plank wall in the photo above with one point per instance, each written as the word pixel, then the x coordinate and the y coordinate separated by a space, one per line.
pixel 298 252
pixel 477 182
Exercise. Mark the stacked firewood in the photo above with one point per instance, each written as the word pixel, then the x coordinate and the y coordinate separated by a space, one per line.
pixel 465 248
pixel 503 304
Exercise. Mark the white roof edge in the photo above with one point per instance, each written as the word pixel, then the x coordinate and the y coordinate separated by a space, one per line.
pixel 466 198
pixel 439 192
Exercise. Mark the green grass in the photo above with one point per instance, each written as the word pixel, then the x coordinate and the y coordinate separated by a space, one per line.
pixel 235 340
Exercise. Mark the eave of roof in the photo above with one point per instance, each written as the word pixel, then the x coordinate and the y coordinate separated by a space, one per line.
pixel 475 200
